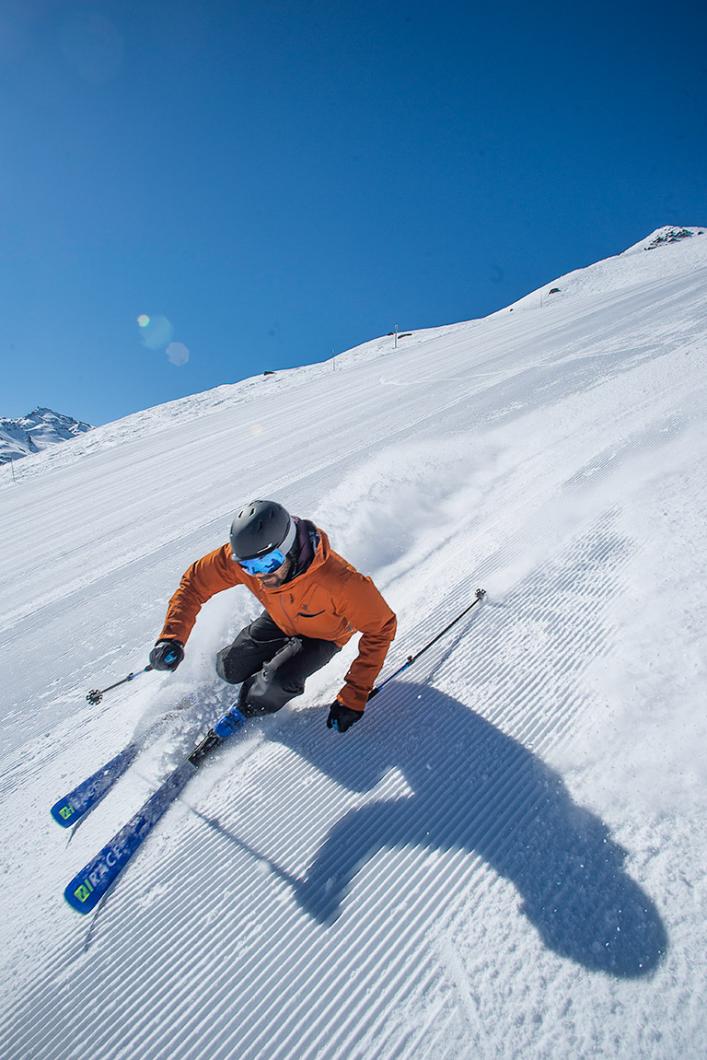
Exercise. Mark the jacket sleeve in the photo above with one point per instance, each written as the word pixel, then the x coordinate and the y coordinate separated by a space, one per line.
pixel 209 575
pixel 362 605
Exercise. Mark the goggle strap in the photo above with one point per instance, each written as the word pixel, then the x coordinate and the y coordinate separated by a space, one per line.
pixel 289 537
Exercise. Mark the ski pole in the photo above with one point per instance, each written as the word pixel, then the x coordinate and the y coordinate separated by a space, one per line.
pixel 478 596
pixel 96 694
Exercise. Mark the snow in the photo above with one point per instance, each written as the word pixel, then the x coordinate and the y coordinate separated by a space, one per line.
pixel 506 857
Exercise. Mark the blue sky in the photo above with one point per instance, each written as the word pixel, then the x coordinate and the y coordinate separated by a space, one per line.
pixel 269 181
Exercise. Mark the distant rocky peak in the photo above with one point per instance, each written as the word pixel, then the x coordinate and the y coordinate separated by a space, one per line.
pixel 39 429
pixel 670 234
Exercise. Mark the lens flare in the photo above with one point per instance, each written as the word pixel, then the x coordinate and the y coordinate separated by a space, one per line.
pixel 157 333
pixel 178 353
pixel 143 320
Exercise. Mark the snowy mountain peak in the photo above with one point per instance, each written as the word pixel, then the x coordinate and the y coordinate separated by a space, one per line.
pixel 664 235
pixel 39 429
pixel 40 411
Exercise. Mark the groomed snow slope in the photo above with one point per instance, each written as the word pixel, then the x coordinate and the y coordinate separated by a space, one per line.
pixel 506 857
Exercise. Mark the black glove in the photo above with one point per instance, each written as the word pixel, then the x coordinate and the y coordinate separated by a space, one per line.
pixel 166 655
pixel 342 718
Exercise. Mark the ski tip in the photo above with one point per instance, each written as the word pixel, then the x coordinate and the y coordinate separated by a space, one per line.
pixel 81 895
pixel 64 813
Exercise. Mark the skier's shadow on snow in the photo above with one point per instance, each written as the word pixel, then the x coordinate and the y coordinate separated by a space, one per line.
pixel 477 789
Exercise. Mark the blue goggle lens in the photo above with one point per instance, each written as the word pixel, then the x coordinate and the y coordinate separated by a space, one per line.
pixel 263 564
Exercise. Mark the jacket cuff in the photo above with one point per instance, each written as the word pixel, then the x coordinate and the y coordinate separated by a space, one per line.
pixel 352 699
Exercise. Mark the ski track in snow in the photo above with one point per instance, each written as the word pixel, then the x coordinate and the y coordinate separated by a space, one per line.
pixel 505 858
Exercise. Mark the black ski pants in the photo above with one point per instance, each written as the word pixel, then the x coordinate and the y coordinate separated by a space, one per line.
pixel 270 666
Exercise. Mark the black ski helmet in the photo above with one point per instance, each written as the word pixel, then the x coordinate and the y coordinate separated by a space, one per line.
pixel 259 527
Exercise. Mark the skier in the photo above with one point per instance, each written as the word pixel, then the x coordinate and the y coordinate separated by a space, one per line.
pixel 314 603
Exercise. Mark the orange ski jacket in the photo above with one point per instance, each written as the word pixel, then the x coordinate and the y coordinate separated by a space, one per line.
pixel 330 600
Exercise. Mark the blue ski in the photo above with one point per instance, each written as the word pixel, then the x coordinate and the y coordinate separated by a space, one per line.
pixel 75 806
pixel 90 885
pixel 72 807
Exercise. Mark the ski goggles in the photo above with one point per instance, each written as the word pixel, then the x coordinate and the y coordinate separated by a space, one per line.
pixel 265 564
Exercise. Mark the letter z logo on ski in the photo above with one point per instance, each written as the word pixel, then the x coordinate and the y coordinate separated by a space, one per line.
pixel 83 891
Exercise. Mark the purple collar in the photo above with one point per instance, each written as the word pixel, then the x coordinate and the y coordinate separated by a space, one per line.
pixel 302 552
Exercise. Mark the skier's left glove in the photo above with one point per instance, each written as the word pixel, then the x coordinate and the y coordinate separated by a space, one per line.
pixel 342 718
